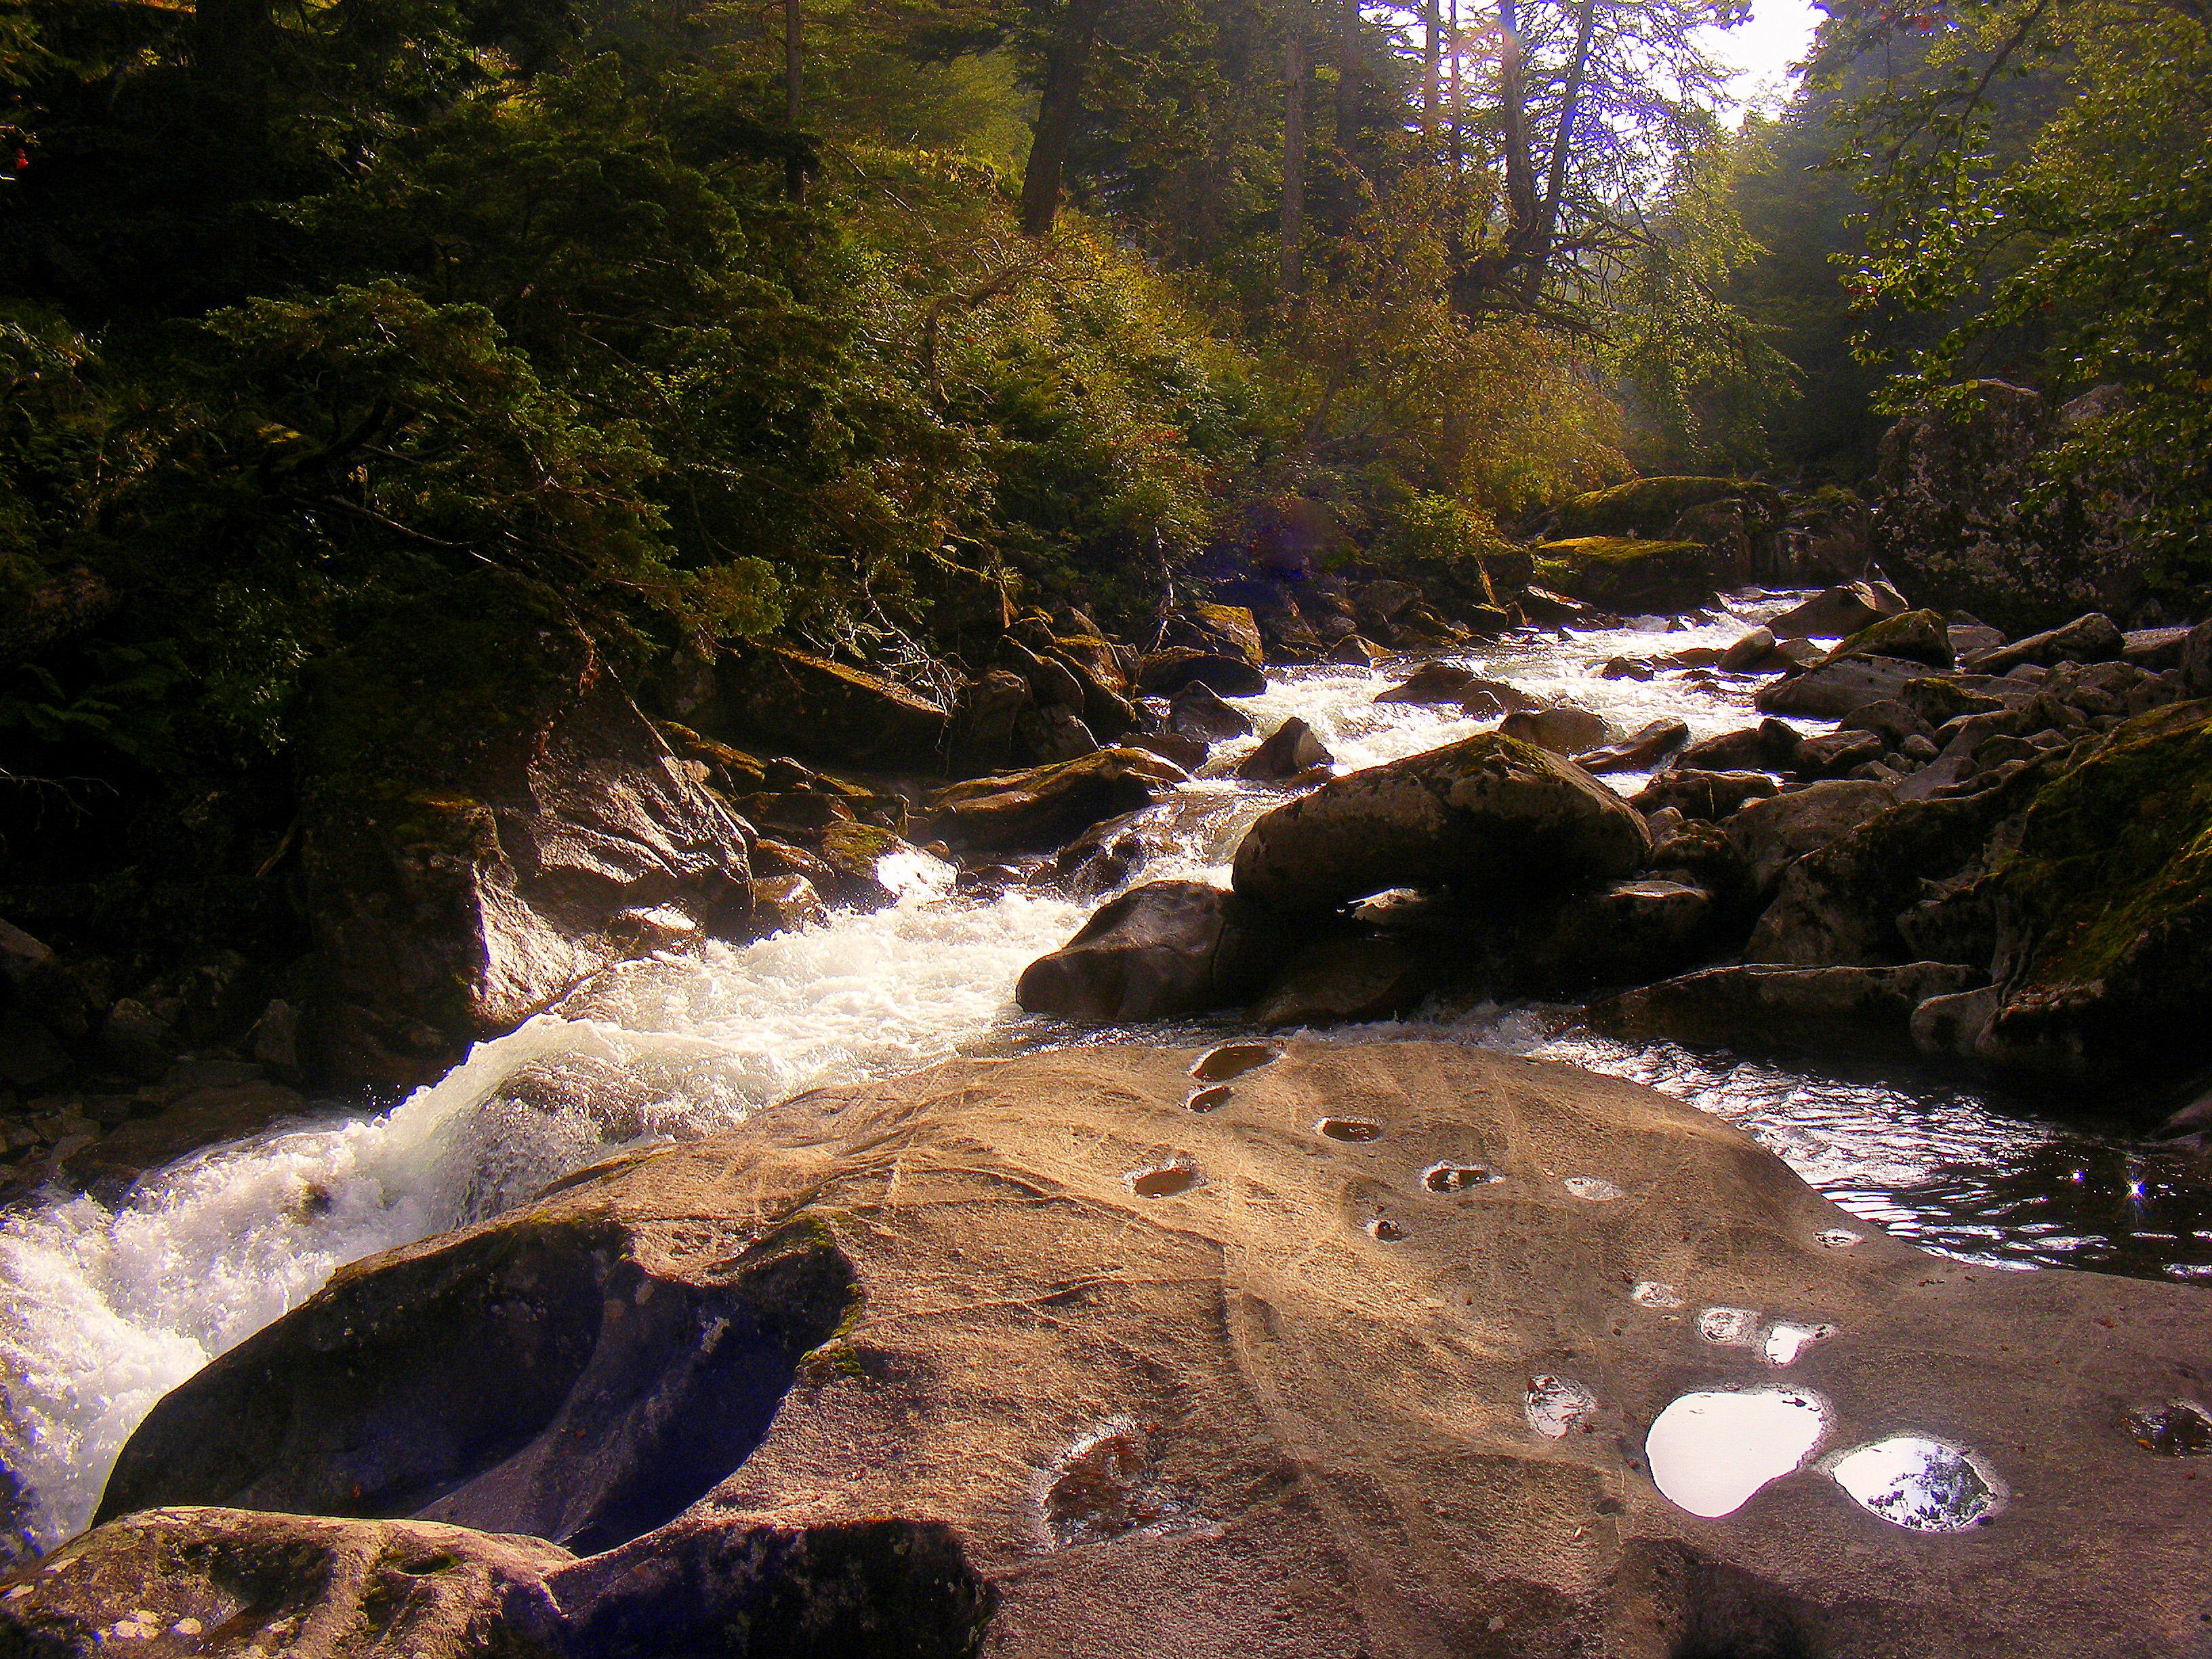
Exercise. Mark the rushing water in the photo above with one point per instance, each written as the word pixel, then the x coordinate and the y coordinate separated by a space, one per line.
pixel 106 1311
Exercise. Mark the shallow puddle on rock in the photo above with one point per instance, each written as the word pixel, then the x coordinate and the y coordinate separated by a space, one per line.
pixel 2179 1428
pixel 1729 1327
pixel 1592 1188
pixel 1556 1404
pixel 1233 1060
pixel 1349 1128
pixel 1163 1179
pixel 1388 1231
pixel 1651 1293
pixel 1208 1100
pixel 1840 1238
pixel 1709 1450
pixel 1102 1487
pixel 1784 1340
pixel 1920 1484
pixel 1457 1177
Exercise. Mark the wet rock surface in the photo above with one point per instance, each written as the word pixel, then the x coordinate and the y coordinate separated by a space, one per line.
pixel 1486 814
pixel 1055 1412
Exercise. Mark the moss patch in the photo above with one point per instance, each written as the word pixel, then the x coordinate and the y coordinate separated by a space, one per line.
pixel 1915 635
pixel 2114 868
pixel 1626 573
pixel 1644 506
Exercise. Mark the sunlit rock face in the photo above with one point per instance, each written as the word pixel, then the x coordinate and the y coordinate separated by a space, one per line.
pixel 1029 1357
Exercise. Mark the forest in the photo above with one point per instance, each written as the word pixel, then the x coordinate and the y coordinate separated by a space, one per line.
pixel 848 324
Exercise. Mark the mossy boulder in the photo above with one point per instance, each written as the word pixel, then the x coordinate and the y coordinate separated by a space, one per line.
pixel 1625 573
pixel 1916 636
pixel 2106 911
pixel 1048 806
pixel 486 818
pixel 1649 507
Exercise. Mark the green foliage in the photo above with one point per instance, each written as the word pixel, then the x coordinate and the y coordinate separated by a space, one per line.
pixel 2071 237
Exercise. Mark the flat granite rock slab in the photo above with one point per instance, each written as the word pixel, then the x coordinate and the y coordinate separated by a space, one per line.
pixel 1263 1362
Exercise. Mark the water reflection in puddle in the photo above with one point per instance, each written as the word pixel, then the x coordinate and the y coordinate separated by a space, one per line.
pixel 1591 1189
pixel 2179 1428
pixel 1922 1484
pixel 1349 1128
pixel 1556 1404
pixel 1784 1340
pixel 1729 1327
pixel 1840 1238
pixel 1232 1060
pixel 1651 1293
pixel 1208 1100
pixel 1457 1177
pixel 1164 1180
pixel 1387 1231
pixel 1709 1450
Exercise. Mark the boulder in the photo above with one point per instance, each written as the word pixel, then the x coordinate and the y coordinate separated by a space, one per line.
pixel 1165 949
pixel 1834 755
pixel 1656 506
pixel 1914 636
pixel 2086 639
pixel 1167 670
pixel 1833 690
pixel 1972 512
pixel 1755 1007
pixel 984 731
pixel 1290 752
pixel 2156 650
pixel 1639 751
pixel 181 1579
pixel 1199 711
pixel 1837 612
pixel 1842 904
pixel 2196 669
pixel 1449 683
pixel 2106 955
pixel 1233 629
pixel 1770 746
pixel 485 819
pixel 1630 575
pixel 1353 651
pixel 1379 605
pixel 1107 855
pixel 1487 815
pixel 1049 805
pixel 1335 982
pixel 1968 638
pixel 1616 934
pixel 1697 795
pixel 829 710
pixel 1562 728
pixel 1023 1355
pixel 1772 832
pixel 1891 720
pixel 1753 653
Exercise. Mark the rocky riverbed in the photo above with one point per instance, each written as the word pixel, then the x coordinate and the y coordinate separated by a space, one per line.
pixel 1755 935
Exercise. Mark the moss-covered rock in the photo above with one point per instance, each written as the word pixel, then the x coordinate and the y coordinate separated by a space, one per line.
pixel 2106 908
pixel 1626 573
pixel 830 710
pixel 1915 636
pixel 1648 506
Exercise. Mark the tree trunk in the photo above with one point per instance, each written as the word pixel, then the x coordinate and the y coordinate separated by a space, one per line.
pixel 1513 129
pixel 1539 251
pixel 794 175
pixel 1060 106
pixel 1349 77
pixel 1431 64
pixel 1452 105
pixel 1294 153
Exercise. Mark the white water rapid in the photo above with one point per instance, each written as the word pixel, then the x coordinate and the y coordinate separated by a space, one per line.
pixel 104 1311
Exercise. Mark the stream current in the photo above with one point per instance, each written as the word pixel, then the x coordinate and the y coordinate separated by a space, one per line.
pixel 104 1311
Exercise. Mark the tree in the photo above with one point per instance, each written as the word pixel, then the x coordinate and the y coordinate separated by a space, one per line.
pixel 1059 107
pixel 2077 247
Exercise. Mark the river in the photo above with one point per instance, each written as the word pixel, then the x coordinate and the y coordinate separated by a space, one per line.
pixel 105 1311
